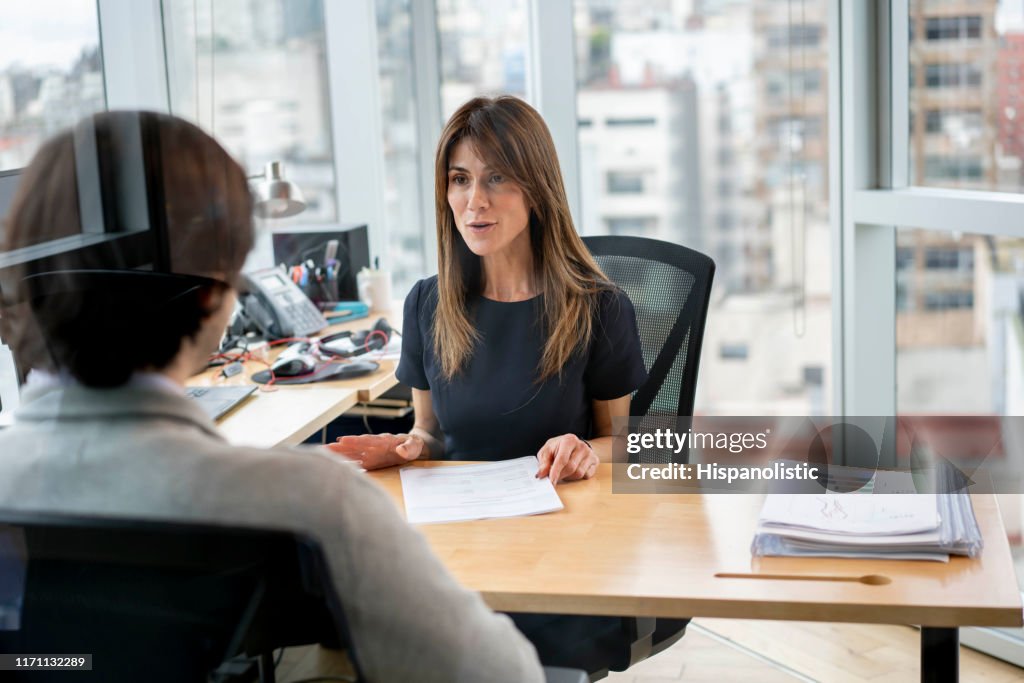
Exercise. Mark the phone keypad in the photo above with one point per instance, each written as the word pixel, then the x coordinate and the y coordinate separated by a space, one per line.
pixel 308 320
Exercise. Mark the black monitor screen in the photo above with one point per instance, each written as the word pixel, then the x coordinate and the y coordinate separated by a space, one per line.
pixel 299 246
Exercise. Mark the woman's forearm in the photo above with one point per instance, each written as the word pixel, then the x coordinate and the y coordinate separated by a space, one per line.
pixel 602 446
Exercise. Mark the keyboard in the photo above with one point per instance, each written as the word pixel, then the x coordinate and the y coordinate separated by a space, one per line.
pixel 216 401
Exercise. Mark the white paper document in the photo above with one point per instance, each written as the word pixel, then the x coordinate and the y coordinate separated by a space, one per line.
pixel 840 513
pixel 463 492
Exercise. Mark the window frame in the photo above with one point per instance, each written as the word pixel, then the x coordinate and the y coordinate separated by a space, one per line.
pixel 134 77
pixel 870 131
pixel 132 49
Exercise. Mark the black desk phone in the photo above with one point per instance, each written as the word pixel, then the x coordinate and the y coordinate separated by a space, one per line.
pixel 276 305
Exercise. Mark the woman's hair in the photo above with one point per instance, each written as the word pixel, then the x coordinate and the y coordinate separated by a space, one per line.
pixel 513 139
pixel 133 170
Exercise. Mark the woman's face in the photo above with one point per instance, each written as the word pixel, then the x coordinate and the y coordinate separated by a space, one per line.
pixel 490 210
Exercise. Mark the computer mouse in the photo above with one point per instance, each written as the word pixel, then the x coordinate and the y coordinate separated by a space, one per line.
pixel 322 372
pixel 293 365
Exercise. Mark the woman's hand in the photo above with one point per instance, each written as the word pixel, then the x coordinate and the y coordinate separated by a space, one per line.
pixel 374 451
pixel 566 458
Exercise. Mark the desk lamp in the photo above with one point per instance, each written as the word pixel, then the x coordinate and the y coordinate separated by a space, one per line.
pixel 276 197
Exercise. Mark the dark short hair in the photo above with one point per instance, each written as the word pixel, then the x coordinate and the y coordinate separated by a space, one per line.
pixel 101 334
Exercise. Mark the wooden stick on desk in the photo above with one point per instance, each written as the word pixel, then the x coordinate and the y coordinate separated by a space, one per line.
pixel 866 579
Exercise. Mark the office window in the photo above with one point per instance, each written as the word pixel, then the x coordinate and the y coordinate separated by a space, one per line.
pixel 959 312
pixel 945 258
pixel 953 168
pixel 51 73
pixel 795 131
pixel 953 75
pixel 483 49
pixel 905 258
pixel 736 100
pixel 733 351
pixel 780 84
pixel 954 122
pixel 625 182
pixel 636 226
pixel 952 28
pixel 630 122
pixel 254 75
pixel 940 301
pixel 795 35
pixel 903 302
pixel 974 140
pixel 960 328
pixel 398 101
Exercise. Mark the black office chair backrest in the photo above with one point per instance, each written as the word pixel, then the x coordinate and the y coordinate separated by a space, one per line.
pixel 158 601
pixel 670 287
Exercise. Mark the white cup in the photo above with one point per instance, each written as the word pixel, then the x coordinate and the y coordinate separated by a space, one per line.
pixel 375 288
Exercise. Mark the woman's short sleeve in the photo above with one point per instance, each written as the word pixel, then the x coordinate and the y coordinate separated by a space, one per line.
pixel 411 371
pixel 616 364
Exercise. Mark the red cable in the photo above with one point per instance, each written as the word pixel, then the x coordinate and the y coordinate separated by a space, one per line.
pixel 366 342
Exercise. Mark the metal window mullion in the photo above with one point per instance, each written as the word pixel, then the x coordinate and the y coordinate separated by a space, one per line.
pixel 869 269
pixel 551 86
pixel 964 211
pixel 134 59
pixel 835 123
pixel 898 111
pixel 426 69
pixel 350 31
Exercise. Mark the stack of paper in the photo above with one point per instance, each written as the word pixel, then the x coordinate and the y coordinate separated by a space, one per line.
pixel 463 492
pixel 912 526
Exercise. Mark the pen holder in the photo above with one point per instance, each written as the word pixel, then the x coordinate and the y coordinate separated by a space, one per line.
pixel 375 288
pixel 321 290
pixel 315 282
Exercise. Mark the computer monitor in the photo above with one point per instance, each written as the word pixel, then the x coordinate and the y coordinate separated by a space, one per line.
pixel 298 245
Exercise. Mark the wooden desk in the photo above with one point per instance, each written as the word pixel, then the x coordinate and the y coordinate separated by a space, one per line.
pixel 661 555
pixel 284 418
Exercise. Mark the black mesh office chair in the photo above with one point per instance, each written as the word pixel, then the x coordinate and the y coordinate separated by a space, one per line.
pixel 161 601
pixel 670 287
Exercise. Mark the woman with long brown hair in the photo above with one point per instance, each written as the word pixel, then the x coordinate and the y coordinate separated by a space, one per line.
pixel 520 344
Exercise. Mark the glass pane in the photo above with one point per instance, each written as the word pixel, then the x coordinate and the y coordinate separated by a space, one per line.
pixel 960 336
pixel 967 94
pixel 483 49
pixel 398 115
pixel 254 75
pixel 959 341
pixel 706 124
pixel 51 73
